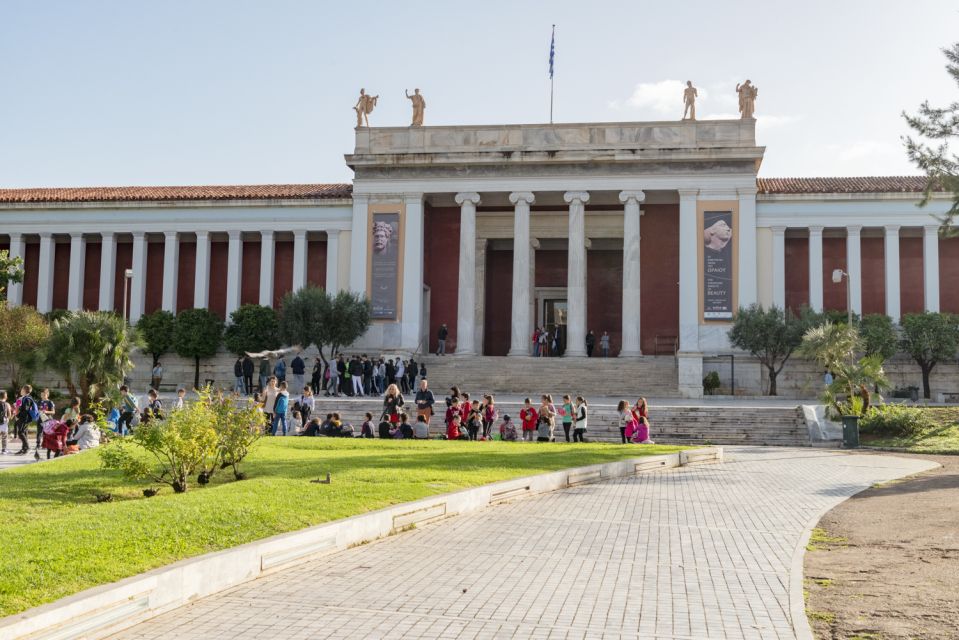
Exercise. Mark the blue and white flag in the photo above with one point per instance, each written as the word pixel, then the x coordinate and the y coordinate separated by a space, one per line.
pixel 552 52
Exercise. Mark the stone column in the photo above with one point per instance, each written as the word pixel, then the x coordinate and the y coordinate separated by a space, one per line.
pixel 466 300
pixel 299 259
pixel 632 297
pixel 18 247
pixel 358 240
pixel 138 285
pixel 267 257
pixel 520 335
pixel 576 274
pixel 332 261
pixel 108 269
pixel 892 272
pixel 171 270
pixel 930 266
pixel 688 277
pixel 412 309
pixel 201 288
pixel 234 271
pixel 748 275
pixel 815 268
pixel 479 313
pixel 45 279
pixel 779 267
pixel 77 266
pixel 854 266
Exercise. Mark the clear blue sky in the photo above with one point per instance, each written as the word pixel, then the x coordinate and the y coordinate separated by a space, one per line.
pixel 125 92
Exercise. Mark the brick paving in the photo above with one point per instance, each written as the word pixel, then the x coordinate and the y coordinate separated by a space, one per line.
pixel 702 552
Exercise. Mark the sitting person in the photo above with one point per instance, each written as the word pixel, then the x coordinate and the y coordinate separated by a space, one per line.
pixel 421 430
pixel 366 430
pixel 507 430
pixel 453 431
pixel 312 428
pixel 86 435
pixel 154 408
pixel 406 429
pixel 641 435
pixel 544 429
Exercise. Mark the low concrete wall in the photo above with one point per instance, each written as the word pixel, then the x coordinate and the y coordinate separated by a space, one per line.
pixel 101 611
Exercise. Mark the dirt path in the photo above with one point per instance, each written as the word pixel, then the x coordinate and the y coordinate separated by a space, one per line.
pixel 885 563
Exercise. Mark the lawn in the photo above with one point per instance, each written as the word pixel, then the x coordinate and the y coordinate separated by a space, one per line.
pixel 60 540
pixel 943 438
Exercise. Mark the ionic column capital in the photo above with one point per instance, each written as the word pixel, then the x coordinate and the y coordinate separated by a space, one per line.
pixel 467 196
pixel 171 235
pixel 45 235
pixel 299 234
pixel 892 229
pixel 202 235
pixel 526 197
pixel 76 235
pixel 138 235
pixel 572 197
pixel 815 230
pixel 688 194
pixel 853 229
pixel 635 196
pixel 107 235
pixel 266 234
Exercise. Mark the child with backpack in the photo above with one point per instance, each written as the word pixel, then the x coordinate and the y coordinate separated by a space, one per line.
pixel 474 421
pixel 6 413
pixel 507 430
pixel 26 413
pixel 47 410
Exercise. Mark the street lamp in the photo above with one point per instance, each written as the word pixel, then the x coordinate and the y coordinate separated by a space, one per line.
pixel 127 277
pixel 837 276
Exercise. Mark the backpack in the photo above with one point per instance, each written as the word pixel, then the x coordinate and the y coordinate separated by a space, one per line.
pixel 29 407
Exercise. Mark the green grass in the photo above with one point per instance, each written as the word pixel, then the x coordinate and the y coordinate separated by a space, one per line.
pixel 820 538
pixel 59 540
pixel 943 438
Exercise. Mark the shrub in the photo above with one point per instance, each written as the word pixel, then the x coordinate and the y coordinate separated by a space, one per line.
pixel 895 420
pixel 252 328
pixel 157 330
pixel 711 382
pixel 238 424
pixel 197 334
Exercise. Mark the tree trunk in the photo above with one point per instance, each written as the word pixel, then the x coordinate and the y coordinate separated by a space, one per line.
pixel 926 370
pixel 772 381
pixel 196 375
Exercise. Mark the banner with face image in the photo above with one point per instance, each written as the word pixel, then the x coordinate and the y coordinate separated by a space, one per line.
pixel 384 265
pixel 718 277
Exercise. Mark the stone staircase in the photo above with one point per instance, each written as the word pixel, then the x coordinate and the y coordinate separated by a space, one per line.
pixel 651 376
pixel 754 426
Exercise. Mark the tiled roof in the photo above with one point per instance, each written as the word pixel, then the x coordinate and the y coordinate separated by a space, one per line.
pixel 866 184
pixel 133 194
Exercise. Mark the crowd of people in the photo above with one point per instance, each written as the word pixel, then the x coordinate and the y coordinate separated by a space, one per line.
pixel 73 431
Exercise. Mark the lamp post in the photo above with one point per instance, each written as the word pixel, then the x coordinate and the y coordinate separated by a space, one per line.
pixel 127 277
pixel 837 276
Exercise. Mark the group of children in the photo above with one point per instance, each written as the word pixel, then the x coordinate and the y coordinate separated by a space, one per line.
pixel 634 422
pixel 540 423
pixel 70 433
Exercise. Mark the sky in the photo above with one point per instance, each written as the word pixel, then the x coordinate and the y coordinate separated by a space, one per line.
pixel 183 92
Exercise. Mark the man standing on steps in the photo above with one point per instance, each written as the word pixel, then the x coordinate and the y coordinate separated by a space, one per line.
pixel 604 344
pixel 590 343
pixel 248 374
pixel 441 336
pixel 298 369
pixel 424 401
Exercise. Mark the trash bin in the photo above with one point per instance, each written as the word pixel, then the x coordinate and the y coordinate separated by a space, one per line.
pixel 850 432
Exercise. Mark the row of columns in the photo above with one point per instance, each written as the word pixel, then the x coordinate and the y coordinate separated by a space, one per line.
pixel 854 267
pixel 576 273
pixel 171 260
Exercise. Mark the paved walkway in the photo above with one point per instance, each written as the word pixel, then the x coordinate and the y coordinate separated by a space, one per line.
pixel 703 552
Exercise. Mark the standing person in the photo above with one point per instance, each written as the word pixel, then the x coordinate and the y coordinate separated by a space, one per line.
pixel 128 409
pixel 567 412
pixel 269 399
pixel 279 370
pixel 827 378
pixel 641 409
pixel 544 343
pixel 280 408
pixel 401 375
pixel 411 370
pixel 356 375
pixel 489 416
pixel 389 372
pixel 55 437
pixel 624 419
pixel 316 376
pixel 178 402
pixel 298 371
pixel 238 375
pixel 474 420
pixel 333 382
pixel 343 370
pixel 590 343
pixel 528 416
pixel 422 370
pixel 264 373
pixel 547 419
pixel 441 336
pixel 379 377
pixel 424 401
pixel 392 403
pixel 307 404
pixel 604 344
pixel 156 376
pixel 47 410
pixel 536 332
pixel 367 375
pixel 580 422
pixel 154 408
pixel 555 339
pixel 247 375
pixel 6 414
pixel 27 412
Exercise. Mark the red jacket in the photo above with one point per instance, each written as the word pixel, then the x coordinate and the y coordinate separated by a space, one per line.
pixel 452 431
pixel 529 417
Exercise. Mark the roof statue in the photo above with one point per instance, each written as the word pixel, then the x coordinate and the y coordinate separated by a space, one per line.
pixel 419 106
pixel 364 107
pixel 747 98
pixel 689 99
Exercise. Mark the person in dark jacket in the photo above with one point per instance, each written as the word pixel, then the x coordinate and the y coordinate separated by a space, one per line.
pixel 238 375
pixel 343 380
pixel 367 375
pixel 248 375
pixel 356 375
pixel 298 371
pixel 316 376
pixel 441 336
pixel 411 370
pixel 590 344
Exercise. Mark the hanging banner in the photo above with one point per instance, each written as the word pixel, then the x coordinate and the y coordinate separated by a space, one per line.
pixel 718 276
pixel 384 265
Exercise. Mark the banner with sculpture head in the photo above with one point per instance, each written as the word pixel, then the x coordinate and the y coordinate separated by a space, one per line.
pixel 384 265
pixel 718 277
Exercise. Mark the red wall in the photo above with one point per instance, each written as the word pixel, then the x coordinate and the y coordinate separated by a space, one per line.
pixel 316 263
pixel 91 276
pixel 604 296
pixel 550 271
pixel 833 257
pixel 61 274
pixel 31 267
pixel 658 275
pixel 154 289
pixel 124 262
pixel 441 242
pixel 911 298
pixel 949 274
pixel 282 271
pixel 499 302
pixel 250 273
pixel 797 273
pixel 873 276
pixel 186 278
pixel 219 250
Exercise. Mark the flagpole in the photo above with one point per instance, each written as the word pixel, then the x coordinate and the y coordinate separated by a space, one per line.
pixel 551 101
pixel 552 44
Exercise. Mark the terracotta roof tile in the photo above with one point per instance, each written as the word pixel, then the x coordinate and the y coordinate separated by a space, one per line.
pixel 866 184
pixel 132 194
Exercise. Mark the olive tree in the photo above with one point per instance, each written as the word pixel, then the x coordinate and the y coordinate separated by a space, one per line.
pixel 156 329
pixel 252 328
pixel 313 316
pixel 197 335
pixel 770 335
pixel 23 332
pixel 929 338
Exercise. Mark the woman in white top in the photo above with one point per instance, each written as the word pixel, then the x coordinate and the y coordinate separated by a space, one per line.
pixel 579 420
pixel 87 434
pixel 307 404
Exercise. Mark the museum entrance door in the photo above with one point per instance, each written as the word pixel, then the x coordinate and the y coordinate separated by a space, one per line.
pixel 554 319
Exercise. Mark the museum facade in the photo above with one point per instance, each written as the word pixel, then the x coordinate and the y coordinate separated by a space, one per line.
pixel 655 232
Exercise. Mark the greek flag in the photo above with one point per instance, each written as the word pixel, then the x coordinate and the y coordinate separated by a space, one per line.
pixel 552 52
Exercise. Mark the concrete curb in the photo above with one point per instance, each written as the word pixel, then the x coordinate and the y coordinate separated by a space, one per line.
pixel 107 609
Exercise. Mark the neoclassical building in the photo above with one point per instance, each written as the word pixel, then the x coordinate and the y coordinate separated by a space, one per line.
pixel 655 232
